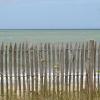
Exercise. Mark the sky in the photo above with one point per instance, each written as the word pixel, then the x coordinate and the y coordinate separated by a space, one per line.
pixel 49 14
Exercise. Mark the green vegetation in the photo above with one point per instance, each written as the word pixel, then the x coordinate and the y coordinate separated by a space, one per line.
pixel 82 95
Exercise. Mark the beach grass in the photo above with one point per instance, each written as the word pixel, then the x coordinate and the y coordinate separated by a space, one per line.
pixel 50 95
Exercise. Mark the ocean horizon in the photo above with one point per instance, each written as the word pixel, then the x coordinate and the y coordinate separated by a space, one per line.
pixel 48 35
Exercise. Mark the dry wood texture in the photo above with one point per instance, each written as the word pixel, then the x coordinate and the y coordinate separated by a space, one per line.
pixel 49 69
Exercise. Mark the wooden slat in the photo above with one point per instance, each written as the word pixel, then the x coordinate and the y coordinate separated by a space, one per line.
pixel 74 65
pixel 90 71
pixel 58 69
pixel 23 70
pixel 49 65
pixel 19 69
pixel 99 67
pixel 78 64
pixel 15 68
pixel 66 66
pixel 45 70
pixel 53 62
pixel 86 66
pixel 95 66
pixel 10 69
pixel 62 69
pixel 6 71
pixel 70 68
pixel 82 66
pixel 28 71
pixel 32 70
pixel 36 69
pixel 41 60
pixel 1 70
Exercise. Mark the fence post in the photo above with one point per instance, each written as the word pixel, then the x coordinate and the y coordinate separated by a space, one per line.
pixel 19 69
pixel 15 69
pixel 70 68
pixel 6 71
pixel 23 70
pixel 36 70
pixel 45 69
pixel 49 65
pixel 32 70
pixel 28 71
pixel 41 67
pixel 1 70
pixel 99 68
pixel 58 69
pixel 74 66
pixel 62 69
pixel 95 66
pixel 53 61
pixel 91 65
pixel 82 66
pixel 78 64
pixel 10 70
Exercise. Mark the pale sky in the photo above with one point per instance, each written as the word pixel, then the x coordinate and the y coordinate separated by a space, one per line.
pixel 49 14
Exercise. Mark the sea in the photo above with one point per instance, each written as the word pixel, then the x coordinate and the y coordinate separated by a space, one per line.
pixel 48 35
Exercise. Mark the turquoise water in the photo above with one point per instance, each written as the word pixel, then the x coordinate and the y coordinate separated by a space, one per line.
pixel 48 35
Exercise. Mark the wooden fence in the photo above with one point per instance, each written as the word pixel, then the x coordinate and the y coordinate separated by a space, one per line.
pixel 49 69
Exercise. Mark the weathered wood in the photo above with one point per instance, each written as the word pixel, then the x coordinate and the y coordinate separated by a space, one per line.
pixel 99 67
pixel 36 69
pixel 70 69
pixel 6 71
pixel 28 71
pixel 49 65
pixel 74 65
pixel 95 66
pixel 1 70
pixel 53 62
pixel 78 70
pixel 45 70
pixel 66 66
pixel 10 69
pixel 23 70
pixel 86 66
pixel 60 62
pixel 82 67
pixel 41 62
pixel 32 70
pixel 58 69
pixel 15 68
pixel 62 69
pixel 90 71
pixel 19 69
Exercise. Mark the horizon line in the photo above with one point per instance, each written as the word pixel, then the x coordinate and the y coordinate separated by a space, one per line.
pixel 52 29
